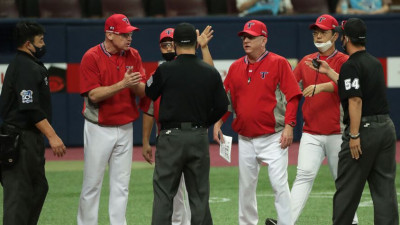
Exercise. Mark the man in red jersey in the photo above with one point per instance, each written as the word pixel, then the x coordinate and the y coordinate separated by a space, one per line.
pixel 264 97
pixel 108 74
pixel 181 210
pixel 322 113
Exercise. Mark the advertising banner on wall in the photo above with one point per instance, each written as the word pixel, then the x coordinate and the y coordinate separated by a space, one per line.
pixel 65 77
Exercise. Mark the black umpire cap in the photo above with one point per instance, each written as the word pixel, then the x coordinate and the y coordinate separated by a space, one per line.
pixel 353 28
pixel 185 33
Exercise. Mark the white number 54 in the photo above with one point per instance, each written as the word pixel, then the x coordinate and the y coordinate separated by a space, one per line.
pixel 348 84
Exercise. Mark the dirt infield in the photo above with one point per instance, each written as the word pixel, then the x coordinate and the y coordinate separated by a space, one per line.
pixel 216 160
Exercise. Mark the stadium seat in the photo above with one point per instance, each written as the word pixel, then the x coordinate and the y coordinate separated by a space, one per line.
pixel 231 7
pixel 185 8
pixel 91 8
pixel 310 6
pixel 395 6
pixel 8 9
pixel 130 8
pixel 217 7
pixel 60 8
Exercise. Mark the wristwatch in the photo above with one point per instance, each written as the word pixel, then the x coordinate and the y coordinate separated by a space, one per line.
pixel 354 136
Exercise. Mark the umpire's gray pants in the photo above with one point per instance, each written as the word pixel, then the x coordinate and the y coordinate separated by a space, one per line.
pixel 187 151
pixel 24 184
pixel 377 165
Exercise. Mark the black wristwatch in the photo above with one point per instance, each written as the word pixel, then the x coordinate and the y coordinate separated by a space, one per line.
pixel 354 136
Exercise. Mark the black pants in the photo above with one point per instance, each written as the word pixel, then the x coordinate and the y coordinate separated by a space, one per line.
pixel 24 184
pixel 187 151
pixel 377 165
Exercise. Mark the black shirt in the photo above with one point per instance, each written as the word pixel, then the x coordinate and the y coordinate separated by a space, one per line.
pixel 362 76
pixel 190 89
pixel 25 96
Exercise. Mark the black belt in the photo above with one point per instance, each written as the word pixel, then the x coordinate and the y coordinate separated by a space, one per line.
pixel 11 128
pixel 182 125
pixel 375 118
pixel 14 129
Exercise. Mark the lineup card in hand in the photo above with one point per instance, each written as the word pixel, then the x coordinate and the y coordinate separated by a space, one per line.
pixel 225 148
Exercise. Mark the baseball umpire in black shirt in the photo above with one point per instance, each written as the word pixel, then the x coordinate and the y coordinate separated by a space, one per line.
pixel 192 99
pixel 25 109
pixel 369 141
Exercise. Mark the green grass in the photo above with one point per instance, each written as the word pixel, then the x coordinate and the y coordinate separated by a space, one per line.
pixel 65 180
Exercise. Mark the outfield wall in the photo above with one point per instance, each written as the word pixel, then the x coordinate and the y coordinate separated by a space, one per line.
pixel 68 39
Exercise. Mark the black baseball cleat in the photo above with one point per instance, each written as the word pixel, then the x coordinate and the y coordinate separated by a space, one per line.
pixel 270 221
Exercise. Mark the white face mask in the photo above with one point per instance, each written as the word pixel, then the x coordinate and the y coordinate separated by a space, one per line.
pixel 323 47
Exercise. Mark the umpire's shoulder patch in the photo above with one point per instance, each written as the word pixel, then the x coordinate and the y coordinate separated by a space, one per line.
pixel 27 96
pixel 149 81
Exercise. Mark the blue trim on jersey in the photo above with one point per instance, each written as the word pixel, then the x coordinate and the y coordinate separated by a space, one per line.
pixel 103 48
pixel 246 58
pixel 330 56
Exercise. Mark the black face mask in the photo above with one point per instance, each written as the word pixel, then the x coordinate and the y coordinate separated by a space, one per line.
pixel 169 56
pixel 39 52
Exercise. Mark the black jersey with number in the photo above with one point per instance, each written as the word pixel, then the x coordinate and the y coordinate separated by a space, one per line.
pixel 362 76
pixel 25 97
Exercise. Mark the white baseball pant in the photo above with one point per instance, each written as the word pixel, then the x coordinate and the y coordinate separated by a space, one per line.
pixel 253 152
pixel 104 145
pixel 312 151
pixel 181 212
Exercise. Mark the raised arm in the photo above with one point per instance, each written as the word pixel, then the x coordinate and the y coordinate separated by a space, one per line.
pixel 202 40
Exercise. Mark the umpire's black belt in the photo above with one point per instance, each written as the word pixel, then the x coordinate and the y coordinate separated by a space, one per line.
pixel 375 118
pixel 181 125
pixel 14 129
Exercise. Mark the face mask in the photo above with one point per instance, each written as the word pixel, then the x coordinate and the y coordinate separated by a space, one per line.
pixel 169 56
pixel 323 47
pixel 39 52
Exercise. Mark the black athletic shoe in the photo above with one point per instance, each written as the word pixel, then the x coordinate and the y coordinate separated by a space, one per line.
pixel 270 221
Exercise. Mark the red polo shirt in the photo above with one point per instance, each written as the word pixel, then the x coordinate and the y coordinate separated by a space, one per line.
pixel 322 113
pixel 100 68
pixel 264 95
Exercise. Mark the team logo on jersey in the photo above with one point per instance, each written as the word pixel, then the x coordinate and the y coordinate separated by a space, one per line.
pixel 263 74
pixel 149 81
pixel 27 96
pixel 128 67
pixel 46 81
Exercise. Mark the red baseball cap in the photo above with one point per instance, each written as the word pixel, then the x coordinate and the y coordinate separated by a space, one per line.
pixel 325 22
pixel 119 24
pixel 254 28
pixel 167 33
